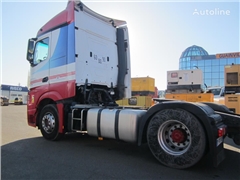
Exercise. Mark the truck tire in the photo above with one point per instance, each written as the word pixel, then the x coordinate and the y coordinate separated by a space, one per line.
pixel 176 138
pixel 49 123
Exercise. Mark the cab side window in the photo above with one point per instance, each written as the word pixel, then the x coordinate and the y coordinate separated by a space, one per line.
pixel 41 51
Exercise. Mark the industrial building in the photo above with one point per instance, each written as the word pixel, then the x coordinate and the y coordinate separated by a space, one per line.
pixel 13 92
pixel 212 66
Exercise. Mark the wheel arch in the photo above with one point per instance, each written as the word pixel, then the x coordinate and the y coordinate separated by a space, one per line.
pixel 41 105
pixel 47 98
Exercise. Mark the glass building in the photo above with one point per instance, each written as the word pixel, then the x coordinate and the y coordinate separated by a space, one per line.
pixel 211 65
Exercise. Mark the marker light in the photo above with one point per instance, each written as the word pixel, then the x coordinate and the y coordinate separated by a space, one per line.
pixel 221 131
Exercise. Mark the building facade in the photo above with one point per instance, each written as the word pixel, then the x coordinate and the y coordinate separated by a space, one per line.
pixel 13 92
pixel 212 66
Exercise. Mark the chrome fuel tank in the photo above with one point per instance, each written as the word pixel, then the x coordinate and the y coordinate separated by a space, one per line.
pixel 118 124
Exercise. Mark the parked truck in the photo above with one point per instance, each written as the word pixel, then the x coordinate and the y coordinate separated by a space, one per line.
pixel 80 67
pixel 218 93
pixel 4 100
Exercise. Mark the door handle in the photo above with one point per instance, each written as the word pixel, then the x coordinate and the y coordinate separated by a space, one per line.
pixel 45 79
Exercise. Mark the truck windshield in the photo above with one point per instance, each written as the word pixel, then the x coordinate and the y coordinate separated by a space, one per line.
pixel 41 51
pixel 216 92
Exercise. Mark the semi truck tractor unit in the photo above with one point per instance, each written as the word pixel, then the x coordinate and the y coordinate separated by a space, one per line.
pixel 80 67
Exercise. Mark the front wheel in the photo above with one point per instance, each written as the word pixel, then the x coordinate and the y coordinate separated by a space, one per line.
pixel 176 138
pixel 49 123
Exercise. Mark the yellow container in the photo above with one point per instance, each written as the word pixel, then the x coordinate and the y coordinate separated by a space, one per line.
pixel 122 102
pixel 232 75
pixel 136 101
pixel 232 101
pixel 200 97
pixel 182 97
pixel 144 101
pixel 194 97
pixel 143 84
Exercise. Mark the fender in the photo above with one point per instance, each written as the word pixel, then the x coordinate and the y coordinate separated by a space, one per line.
pixel 218 107
pixel 54 95
pixel 60 117
pixel 204 113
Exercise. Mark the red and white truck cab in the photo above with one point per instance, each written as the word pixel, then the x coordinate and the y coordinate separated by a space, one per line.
pixel 80 66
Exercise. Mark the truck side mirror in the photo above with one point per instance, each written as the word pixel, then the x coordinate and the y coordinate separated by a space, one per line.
pixel 30 50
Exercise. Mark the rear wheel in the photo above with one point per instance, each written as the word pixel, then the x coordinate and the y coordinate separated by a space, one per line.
pixel 176 138
pixel 49 123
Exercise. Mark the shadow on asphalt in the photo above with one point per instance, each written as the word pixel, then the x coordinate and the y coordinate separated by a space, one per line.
pixel 79 156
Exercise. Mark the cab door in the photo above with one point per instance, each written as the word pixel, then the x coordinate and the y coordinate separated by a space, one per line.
pixel 39 76
pixel 40 67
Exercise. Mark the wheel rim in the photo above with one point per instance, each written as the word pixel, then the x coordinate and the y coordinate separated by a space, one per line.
pixel 174 137
pixel 48 123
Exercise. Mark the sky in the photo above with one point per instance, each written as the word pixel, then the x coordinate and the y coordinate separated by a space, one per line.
pixel 159 32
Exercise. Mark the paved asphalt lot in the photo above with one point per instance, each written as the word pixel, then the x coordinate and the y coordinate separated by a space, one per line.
pixel 26 155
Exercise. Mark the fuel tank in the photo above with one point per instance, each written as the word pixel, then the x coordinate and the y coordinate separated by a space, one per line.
pixel 120 124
